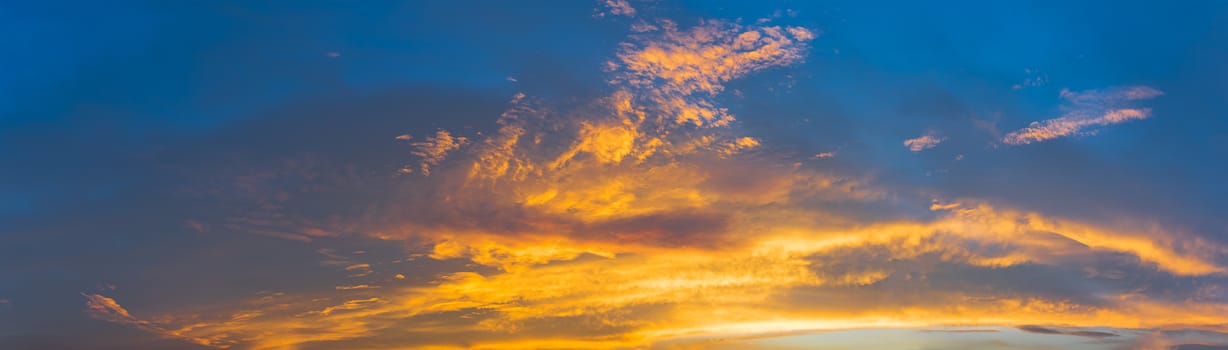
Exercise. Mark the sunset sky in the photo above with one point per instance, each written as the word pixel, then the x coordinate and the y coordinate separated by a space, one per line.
pixel 614 174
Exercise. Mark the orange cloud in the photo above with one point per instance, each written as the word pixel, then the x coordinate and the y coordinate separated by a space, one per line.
pixel 105 308
pixel 677 68
pixel 802 275
pixel 435 148
pixel 358 267
pixel 641 218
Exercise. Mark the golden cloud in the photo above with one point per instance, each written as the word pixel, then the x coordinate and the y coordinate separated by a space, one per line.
pixel 643 217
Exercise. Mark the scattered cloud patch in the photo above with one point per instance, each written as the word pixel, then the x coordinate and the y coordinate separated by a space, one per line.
pixel 435 148
pixel 615 8
pixel 677 68
pixel 923 142
pixel 1034 79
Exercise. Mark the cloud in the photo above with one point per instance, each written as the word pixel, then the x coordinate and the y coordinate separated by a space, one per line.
pixel 1000 265
pixel 105 308
pixel 434 148
pixel 647 215
pixel 1084 111
pixel 936 205
pixel 923 143
pixel 824 155
pixel 675 66
pixel 960 330
pixel 1060 127
pixel 1075 332
pixel 1034 79
pixel 349 305
pixel 617 8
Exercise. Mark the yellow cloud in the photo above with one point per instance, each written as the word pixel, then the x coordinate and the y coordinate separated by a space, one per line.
pixel 642 295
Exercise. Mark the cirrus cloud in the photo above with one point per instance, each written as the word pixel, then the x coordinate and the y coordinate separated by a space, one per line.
pixel 1084 111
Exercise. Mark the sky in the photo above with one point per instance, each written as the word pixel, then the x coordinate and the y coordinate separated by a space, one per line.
pixel 614 174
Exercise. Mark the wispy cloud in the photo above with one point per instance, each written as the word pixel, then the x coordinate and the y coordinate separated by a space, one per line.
pixel 1084 111
pixel 105 308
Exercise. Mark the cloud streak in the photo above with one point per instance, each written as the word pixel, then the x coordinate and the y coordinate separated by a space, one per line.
pixel 1085 111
